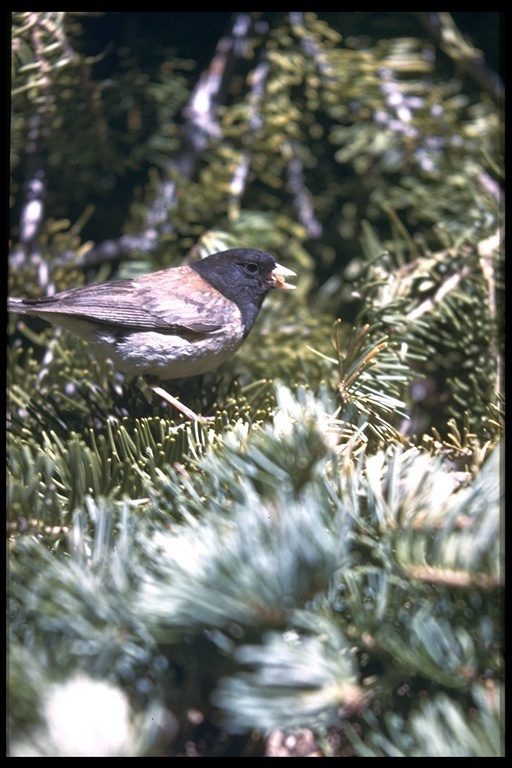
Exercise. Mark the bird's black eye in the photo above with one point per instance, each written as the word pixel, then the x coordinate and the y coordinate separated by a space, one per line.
pixel 251 268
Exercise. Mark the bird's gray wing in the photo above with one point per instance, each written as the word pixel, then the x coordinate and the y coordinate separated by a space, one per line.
pixel 171 302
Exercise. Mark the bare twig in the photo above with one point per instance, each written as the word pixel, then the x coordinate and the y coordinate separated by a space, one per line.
pixel 446 287
pixel 302 198
pixel 239 177
pixel 201 125
pixel 441 26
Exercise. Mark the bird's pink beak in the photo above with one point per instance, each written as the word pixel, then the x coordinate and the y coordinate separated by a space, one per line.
pixel 278 278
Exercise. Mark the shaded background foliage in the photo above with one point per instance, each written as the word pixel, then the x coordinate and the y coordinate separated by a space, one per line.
pixel 132 123
pixel 320 570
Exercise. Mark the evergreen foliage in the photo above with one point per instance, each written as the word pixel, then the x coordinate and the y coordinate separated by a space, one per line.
pixel 324 559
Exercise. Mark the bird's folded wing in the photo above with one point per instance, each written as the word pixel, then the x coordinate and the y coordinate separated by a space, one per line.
pixel 173 307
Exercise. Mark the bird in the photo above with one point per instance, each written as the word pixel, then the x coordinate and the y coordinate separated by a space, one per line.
pixel 171 324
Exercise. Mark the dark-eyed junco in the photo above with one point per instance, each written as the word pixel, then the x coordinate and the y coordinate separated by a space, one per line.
pixel 170 324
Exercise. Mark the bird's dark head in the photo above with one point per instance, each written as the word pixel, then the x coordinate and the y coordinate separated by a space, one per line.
pixel 244 276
